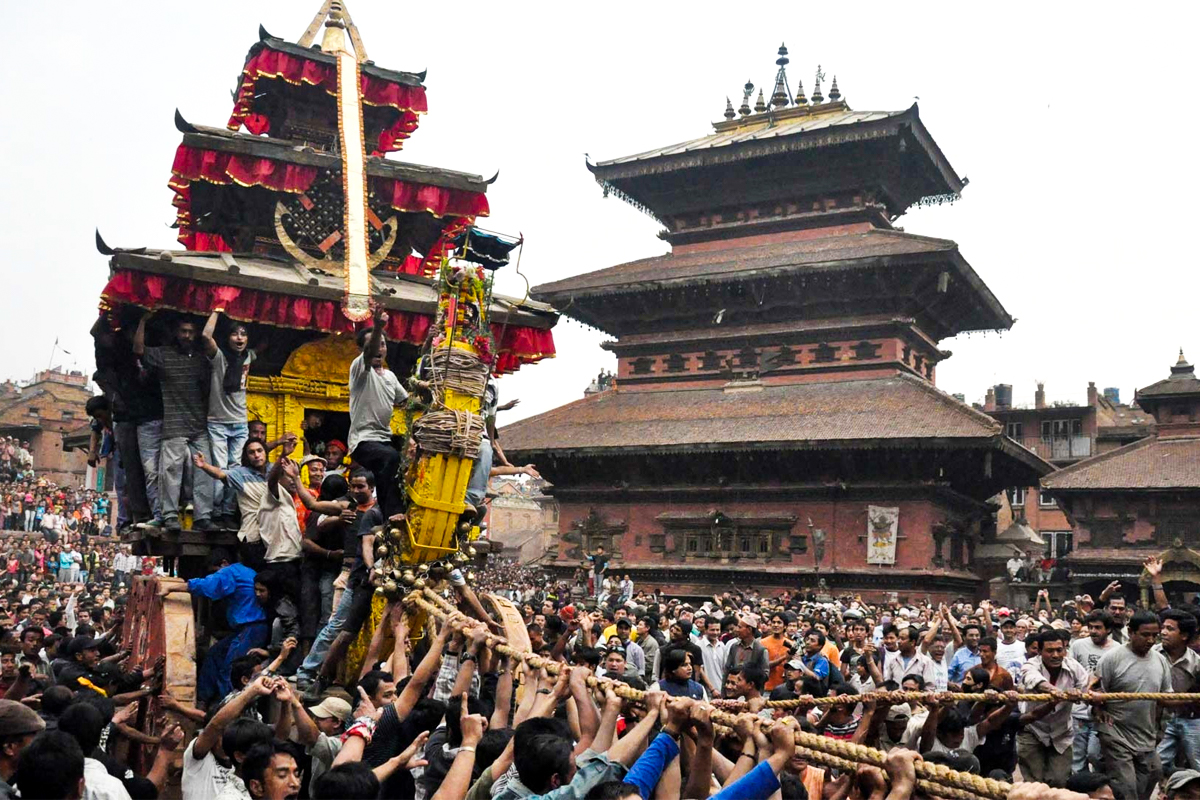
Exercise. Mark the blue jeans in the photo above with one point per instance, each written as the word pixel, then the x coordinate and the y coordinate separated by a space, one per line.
pixel 149 436
pixel 1085 748
pixel 337 621
pixel 226 440
pixel 1180 734
pixel 477 486
pixel 213 682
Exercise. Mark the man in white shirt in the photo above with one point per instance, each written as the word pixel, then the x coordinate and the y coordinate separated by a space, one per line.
pixel 713 653
pixel 207 770
pixel 85 723
pixel 1010 651
pixel 374 392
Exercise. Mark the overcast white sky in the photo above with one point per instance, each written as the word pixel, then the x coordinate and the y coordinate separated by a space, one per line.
pixel 1073 123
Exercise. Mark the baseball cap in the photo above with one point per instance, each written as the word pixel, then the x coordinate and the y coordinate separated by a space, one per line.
pixel 17 719
pixel 81 643
pixel 1178 780
pixel 795 663
pixel 331 707
pixel 749 619
pixel 308 459
pixel 901 711
pixel 337 443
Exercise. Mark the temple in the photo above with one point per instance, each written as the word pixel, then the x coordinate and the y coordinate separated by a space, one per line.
pixel 261 212
pixel 775 412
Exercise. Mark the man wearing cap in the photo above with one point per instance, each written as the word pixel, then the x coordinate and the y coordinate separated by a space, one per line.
pixel 1183 785
pixel 319 730
pixel 83 656
pixel 746 648
pixel 18 725
pixel 1010 651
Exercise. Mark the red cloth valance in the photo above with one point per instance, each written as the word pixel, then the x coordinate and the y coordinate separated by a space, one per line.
pixel 520 345
pixel 409 101
pixel 214 166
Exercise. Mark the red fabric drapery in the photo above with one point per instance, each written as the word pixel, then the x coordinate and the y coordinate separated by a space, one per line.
pixel 520 345
pixel 214 166
pixel 409 101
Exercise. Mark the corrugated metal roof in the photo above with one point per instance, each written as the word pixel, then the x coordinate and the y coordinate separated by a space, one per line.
pixel 755 133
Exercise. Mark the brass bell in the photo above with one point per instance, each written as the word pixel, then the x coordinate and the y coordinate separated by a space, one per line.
pixel 461 558
pixel 407 577
pixel 470 577
pixel 422 568
pixel 471 553
pixel 382 550
pixel 419 583
pixel 390 587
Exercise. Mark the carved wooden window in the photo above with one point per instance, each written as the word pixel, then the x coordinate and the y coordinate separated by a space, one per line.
pixel 1107 532
pixel 786 355
pixel 642 366
pixel 676 363
pixel 710 360
pixel 866 351
pixel 956 551
pixel 698 543
pixel 1168 530
pixel 824 353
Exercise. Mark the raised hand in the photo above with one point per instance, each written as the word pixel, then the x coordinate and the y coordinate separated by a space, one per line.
pixel 366 708
pixel 1154 567
pixel 171 738
pixel 411 756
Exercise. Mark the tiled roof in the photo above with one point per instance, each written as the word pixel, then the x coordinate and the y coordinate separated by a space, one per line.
pixel 895 409
pixel 827 252
pixel 1175 385
pixel 1152 463
pixel 758 133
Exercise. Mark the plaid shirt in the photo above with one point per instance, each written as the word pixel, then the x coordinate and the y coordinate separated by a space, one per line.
pixel 443 685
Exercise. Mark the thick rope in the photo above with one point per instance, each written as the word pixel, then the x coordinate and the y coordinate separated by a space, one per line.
pixel 455 432
pixel 987 696
pixel 430 602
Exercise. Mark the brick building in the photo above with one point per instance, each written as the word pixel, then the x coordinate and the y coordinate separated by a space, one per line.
pixel 1062 433
pixel 42 412
pixel 1140 499
pixel 774 420
pixel 522 518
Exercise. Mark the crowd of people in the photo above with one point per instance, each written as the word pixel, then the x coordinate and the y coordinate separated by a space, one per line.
pixel 449 714
pixel 625 692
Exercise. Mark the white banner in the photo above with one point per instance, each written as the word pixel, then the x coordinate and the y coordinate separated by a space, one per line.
pixel 882 525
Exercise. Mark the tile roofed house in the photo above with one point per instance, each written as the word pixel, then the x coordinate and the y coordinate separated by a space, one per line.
pixel 775 412
pixel 1132 502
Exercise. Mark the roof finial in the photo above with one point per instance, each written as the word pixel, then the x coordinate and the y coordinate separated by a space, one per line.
pixel 746 91
pixel 834 94
pixel 729 112
pixel 780 96
pixel 817 97
pixel 760 105
pixel 1182 368
pixel 801 100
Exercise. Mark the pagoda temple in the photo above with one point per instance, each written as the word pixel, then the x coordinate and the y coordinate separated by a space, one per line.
pixel 271 230
pixel 775 420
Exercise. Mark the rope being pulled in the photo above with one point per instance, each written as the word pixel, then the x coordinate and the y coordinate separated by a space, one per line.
pixel 939 777
pixel 987 696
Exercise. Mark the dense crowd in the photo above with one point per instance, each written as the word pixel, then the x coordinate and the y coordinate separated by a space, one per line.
pixel 619 694
pixel 449 714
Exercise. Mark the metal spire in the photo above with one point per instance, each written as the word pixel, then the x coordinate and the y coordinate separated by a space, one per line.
pixel 834 94
pixel 780 97
pixel 760 105
pixel 817 97
pixel 729 112
pixel 746 91
pixel 801 100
